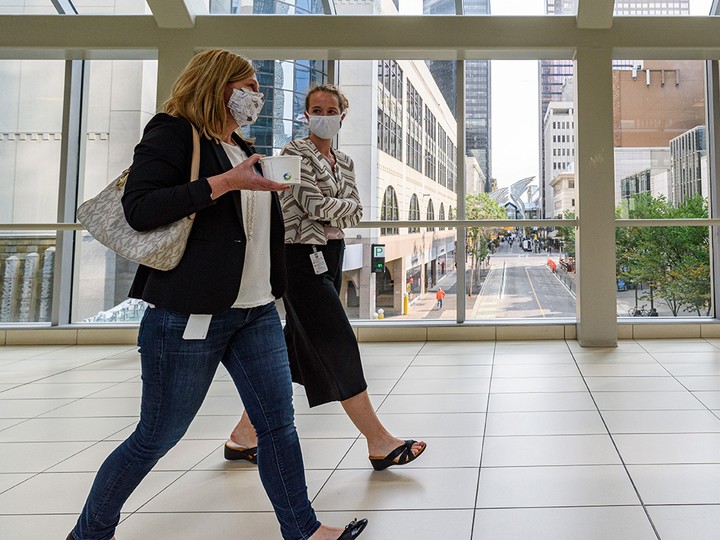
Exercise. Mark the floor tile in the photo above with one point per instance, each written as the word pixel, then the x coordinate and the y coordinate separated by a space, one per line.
pixel 442 386
pixel 614 357
pixel 449 348
pixel 676 345
pixel 701 522
pixel 390 349
pixel 54 391
pixel 549 450
pixel 627 401
pixel 710 399
pixel 538 384
pixel 633 384
pixel 185 455
pixel 541 401
pixel 479 359
pixel 222 491
pixel 193 525
pixel 41 493
pixel 623 370
pixel 532 347
pixel 555 486
pixel 64 429
pixel 588 523
pixel 435 403
pixel 508 358
pixel 693 369
pixel 89 407
pixel 402 524
pixel 677 484
pixel 687 357
pixel 535 370
pixel 398 489
pixel 700 383
pixel 545 423
pixel 50 526
pixel 29 408
pixel 669 448
pixel 35 457
pixel 414 426
pixel 8 480
pixel 447 372
pixel 661 421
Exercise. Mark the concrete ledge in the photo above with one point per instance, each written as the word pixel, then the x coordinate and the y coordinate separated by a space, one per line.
pixel 387 332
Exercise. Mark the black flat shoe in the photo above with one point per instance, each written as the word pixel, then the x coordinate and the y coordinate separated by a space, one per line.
pixel 353 529
pixel 234 454
pixel 400 456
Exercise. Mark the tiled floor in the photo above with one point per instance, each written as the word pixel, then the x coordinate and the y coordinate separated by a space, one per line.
pixel 527 440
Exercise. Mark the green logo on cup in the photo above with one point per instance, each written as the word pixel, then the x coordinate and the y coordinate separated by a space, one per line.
pixel 287 177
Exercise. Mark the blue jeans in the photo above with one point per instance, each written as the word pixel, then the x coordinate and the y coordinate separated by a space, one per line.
pixel 176 375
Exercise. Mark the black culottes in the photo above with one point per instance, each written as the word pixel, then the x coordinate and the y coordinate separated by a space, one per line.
pixel 323 351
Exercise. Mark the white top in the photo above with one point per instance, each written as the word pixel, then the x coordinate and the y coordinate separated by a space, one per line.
pixel 255 289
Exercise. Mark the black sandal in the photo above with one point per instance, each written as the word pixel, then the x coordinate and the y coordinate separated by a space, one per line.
pixel 234 454
pixel 353 529
pixel 400 456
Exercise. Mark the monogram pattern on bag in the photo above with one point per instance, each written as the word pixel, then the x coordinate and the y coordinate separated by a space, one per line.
pixel 104 218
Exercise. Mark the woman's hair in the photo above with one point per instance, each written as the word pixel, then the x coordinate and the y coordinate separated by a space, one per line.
pixel 198 93
pixel 330 89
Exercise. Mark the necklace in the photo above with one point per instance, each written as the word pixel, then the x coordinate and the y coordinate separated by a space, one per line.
pixel 251 214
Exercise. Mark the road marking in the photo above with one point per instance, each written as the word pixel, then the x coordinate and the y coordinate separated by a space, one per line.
pixel 534 294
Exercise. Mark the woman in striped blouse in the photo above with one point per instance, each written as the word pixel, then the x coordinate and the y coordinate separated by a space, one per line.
pixel 323 351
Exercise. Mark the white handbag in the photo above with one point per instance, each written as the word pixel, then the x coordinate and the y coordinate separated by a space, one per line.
pixel 104 218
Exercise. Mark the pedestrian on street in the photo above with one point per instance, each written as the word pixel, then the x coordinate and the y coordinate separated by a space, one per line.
pixel 439 295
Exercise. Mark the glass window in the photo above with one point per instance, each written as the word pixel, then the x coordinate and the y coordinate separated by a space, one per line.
pixel 120 101
pixel 111 7
pixel 30 146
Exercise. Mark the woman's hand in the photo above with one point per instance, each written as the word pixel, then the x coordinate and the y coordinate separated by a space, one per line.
pixel 243 176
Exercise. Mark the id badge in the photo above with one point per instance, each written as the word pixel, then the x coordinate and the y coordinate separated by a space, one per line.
pixel 318 261
pixel 197 327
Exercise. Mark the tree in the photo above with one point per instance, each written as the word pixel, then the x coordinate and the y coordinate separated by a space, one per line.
pixel 673 261
pixel 480 206
pixel 566 235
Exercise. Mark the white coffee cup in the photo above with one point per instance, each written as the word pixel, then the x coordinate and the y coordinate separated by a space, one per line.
pixel 281 169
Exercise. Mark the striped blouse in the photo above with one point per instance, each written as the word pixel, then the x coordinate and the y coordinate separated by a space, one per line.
pixel 323 198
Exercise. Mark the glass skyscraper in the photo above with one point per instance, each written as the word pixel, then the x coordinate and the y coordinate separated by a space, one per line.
pixel 477 87
pixel 284 82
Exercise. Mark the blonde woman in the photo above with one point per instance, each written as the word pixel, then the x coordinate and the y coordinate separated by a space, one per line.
pixel 232 271
pixel 324 355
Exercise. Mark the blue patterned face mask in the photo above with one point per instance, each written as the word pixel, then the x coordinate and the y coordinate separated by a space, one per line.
pixel 245 106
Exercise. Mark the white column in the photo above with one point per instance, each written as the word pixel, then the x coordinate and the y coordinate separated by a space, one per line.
pixel 595 248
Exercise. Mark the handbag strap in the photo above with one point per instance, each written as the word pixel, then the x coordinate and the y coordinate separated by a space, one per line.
pixel 195 165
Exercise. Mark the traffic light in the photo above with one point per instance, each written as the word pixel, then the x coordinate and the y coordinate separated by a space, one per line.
pixel 377 258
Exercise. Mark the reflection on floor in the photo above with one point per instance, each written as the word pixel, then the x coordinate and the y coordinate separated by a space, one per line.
pixel 527 440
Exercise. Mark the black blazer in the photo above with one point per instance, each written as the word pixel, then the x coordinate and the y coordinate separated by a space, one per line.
pixel 158 192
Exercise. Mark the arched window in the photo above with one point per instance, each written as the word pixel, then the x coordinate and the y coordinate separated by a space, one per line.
pixel 430 214
pixel 389 211
pixel 441 217
pixel 414 213
pixel 451 213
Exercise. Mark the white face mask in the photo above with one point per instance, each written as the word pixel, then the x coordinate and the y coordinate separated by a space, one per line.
pixel 245 106
pixel 325 127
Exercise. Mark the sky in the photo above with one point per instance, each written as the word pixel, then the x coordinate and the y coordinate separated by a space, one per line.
pixel 514 97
